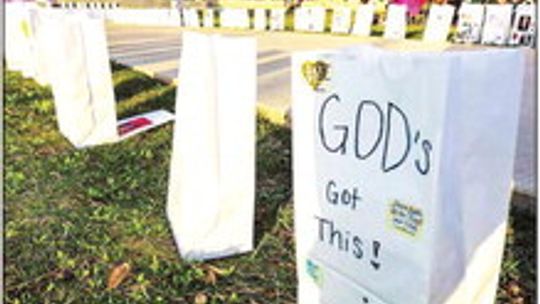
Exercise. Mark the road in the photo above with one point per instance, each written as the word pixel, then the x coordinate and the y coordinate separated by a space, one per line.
pixel 156 51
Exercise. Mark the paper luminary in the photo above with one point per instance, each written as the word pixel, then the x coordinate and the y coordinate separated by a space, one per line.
pixel 20 41
pixel 363 20
pixel 82 84
pixel 438 23
pixel 523 28
pixel 191 17
pixel 234 18
pixel 385 209
pixel 209 18
pixel 497 24
pixel 470 19
pixel 260 19
pixel 277 19
pixel 211 194
pixel 309 19
pixel 396 22
pixel 341 20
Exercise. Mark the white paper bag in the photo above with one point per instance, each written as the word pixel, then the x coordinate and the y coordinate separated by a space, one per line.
pixel 470 19
pixel 191 17
pixel 277 19
pixel 438 23
pixel 212 179
pixel 497 24
pixel 260 19
pixel 234 18
pixel 396 22
pixel 19 38
pixel 363 19
pixel 401 182
pixel 524 26
pixel 209 18
pixel 309 19
pixel 341 20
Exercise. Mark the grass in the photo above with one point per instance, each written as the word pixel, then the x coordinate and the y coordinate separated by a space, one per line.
pixel 73 215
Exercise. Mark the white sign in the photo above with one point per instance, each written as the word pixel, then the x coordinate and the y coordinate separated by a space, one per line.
pixel 363 19
pixel 191 17
pixel 82 83
pixel 234 18
pixel 523 29
pixel 396 198
pixel 260 19
pixel 438 23
pixel 396 22
pixel 212 180
pixel 209 18
pixel 277 19
pixel 341 20
pixel 309 19
pixel 497 24
pixel 469 28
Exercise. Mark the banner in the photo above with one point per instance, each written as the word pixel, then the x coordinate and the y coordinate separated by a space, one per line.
pixel 363 20
pixel 211 197
pixel 523 28
pixel 438 23
pixel 401 183
pixel 341 20
pixel 260 19
pixel 277 19
pixel 497 24
pixel 470 19
pixel 396 22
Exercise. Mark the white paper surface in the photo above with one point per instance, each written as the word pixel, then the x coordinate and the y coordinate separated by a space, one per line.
pixel 212 179
pixel 497 24
pixel 438 23
pixel 396 22
pixel 363 20
pixel 234 18
pixel 309 19
pixel 341 20
pixel 469 27
pixel 209 18
pixel 260 19
pixel 277 19
pixel 524 26
pixel 390 174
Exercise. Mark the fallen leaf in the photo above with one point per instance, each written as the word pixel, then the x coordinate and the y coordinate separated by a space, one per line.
pixel 118 274
pixel 210 277
pixel 201 298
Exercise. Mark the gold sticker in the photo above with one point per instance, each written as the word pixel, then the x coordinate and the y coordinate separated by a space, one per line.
pixel 406 219
pixel 315 72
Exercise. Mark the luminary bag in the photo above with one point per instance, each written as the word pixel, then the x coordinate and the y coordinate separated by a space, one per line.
pixel 497 24
pixel 470 19
pixel 260 19
pixel 341 20
pixel 402 164
pixel 81 81
pixel 209 18
pixel 396 22
pixel 438 23
pixel 212 178
pixel 524 26
pixel 363 19
pixel 277 19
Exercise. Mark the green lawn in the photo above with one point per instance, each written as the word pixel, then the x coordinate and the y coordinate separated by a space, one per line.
pixel 73 215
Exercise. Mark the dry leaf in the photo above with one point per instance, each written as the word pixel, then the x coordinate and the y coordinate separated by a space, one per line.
pixel 210 277
pixel 118 274
pixel 216 270
pixel 201 298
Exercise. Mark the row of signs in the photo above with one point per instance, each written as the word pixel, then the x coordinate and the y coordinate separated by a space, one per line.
pixel 486 24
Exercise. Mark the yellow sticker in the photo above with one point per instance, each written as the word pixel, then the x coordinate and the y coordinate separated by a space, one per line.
pixel 315 72
pixel 25 28
pixel 406 219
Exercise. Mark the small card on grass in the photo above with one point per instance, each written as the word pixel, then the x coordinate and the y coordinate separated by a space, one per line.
pixel 134 125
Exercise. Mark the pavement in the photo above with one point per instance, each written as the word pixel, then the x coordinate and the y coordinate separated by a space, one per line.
pixel 156 52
